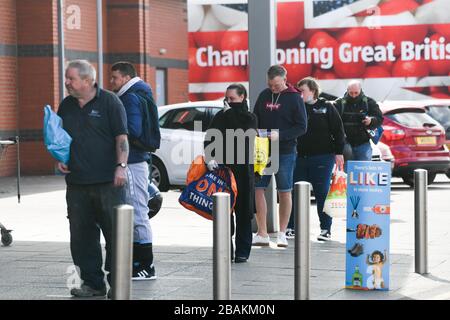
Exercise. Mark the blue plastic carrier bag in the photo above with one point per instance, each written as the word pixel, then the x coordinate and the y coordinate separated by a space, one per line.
pixel 56 139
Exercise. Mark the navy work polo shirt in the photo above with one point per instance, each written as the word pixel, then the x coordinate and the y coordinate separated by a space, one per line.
pixel 93 129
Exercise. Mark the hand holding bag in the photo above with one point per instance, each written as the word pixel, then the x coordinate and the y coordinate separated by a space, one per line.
pixel 201 186
pixel 261 155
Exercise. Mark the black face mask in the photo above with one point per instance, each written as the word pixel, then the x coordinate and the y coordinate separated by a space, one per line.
pixel 238 105
pixel 353 100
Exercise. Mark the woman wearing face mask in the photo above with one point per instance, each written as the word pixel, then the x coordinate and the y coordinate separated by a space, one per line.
pixel 318 150
pixel 235 115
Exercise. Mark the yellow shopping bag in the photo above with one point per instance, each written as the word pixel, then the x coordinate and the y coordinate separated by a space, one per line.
pixel 261 154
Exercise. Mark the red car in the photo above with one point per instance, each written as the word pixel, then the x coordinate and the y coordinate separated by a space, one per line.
pixel 416 140
pixel 439 110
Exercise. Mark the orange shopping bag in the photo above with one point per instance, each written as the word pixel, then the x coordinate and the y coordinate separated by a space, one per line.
pixel 336 202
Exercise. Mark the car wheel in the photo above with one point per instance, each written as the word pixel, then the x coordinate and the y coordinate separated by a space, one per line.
pixel 409 178
pixel 431 177
pixel 159 175
pixel 6 238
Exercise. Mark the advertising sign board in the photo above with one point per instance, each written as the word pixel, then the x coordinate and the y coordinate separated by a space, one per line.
pixel 399 48
pixel 368 225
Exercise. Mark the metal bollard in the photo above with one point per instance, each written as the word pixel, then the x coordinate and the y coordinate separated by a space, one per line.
pixel 122 252
pixel 420 221
pixel 221 247
pixel 302 258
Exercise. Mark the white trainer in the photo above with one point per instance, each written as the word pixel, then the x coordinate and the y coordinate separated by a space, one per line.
pixel 260 240
pixel 281 240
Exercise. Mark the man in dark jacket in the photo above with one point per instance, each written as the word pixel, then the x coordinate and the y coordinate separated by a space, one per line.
pixel 280 110
pixel 128 87
pixel 359 113
pixel 95 175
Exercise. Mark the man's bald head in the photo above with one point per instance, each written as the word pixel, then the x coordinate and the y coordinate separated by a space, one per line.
pixel 354 88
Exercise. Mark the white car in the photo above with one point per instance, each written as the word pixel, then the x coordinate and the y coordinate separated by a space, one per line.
pixel 180 143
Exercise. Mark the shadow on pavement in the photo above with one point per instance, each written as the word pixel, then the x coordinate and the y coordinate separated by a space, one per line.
pixel 30 185
pixel 44 270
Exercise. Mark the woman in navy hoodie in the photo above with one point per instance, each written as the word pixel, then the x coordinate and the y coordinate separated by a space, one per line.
pixel 318 150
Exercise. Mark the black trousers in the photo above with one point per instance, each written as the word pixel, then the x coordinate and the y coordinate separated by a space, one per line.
pixel 90 210
pixel 244 235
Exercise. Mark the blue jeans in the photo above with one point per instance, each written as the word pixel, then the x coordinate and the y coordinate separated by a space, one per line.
pixel 317 171
pixel 90 209
pixel 284 176
pixel 362 152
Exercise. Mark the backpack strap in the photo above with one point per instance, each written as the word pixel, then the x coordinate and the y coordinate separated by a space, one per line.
pixel 366 104
pixel 344 103
pixel 342 108
pixel 329 105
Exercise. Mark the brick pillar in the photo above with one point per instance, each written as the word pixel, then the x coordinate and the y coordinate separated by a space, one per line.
pixel 37 79
pixel 126 33
pixel 134 30
pixel 8 83
pixel 139 29
pixel 170 16
pixel 38 66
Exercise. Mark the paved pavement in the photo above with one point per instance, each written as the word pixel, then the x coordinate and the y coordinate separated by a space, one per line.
pixel 38 265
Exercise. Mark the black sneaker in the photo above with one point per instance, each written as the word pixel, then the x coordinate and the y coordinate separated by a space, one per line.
pixel 324 235
pixel 240 260
pixel 290 233
pixel 86 291
pixel 144 273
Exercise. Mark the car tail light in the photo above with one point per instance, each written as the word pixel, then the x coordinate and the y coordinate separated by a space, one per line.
pixel 393 133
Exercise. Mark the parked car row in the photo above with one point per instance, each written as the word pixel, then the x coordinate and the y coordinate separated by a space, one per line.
pixel 440 111
pixel 180 143
pixel 416 135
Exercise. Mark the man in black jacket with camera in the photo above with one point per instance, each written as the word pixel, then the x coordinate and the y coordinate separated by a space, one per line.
pixel 359 114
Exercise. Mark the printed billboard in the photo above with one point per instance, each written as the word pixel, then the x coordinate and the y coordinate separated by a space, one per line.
pixel 399 48
pixel 368 225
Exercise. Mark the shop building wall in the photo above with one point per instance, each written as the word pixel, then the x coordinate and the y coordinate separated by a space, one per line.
pixel 8 84
pixel 134 30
